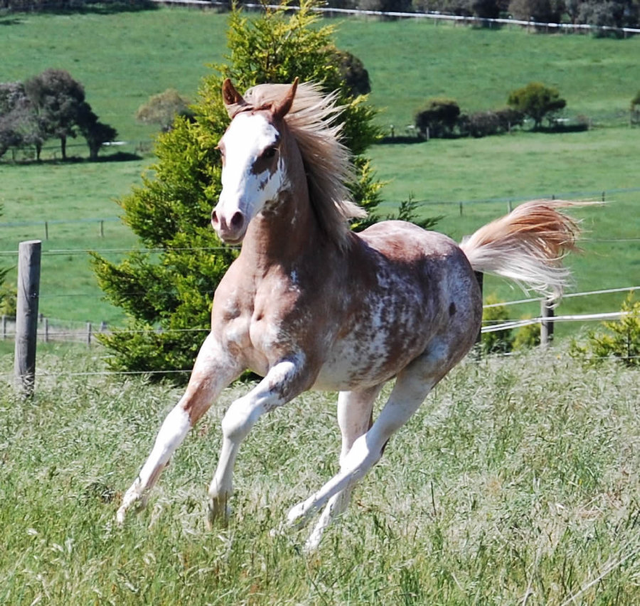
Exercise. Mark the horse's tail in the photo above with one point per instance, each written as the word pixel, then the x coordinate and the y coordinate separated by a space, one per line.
pixel 527 246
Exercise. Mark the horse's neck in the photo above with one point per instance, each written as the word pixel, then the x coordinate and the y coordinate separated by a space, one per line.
pixel 284 233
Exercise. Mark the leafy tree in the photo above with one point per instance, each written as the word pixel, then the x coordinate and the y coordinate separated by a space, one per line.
pixel 542 11
pixel 59 103
pixel 610 13
pixel 163 108
pixel 170 292
pixel 439 116
pixel 96 133
pixel 385 6
pixel 485 9
pixel 14 106
pixel 536 101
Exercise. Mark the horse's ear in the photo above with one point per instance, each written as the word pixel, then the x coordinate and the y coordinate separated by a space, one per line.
pixel 281 109
pixel 233 100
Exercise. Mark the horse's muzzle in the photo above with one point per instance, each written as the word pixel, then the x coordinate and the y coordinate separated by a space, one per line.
pixel 230 230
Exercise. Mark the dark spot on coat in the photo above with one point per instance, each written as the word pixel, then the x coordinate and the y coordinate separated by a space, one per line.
pixel 452 309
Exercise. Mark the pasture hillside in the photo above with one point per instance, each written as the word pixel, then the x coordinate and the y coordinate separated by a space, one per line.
pixel 122 59
pixel 516 483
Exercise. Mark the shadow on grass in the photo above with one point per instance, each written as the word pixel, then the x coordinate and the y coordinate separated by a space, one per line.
pixel 10 20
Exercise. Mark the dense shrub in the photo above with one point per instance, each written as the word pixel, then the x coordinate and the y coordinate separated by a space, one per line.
pixel 439 116
pixel 162 109
pixel 479 124
pixel 620 339
pixel 483 124
pixel 500 341
pixel 353 72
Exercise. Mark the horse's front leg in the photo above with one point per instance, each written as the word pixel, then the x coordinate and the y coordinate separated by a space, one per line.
pixel 214 369
pixel 283 382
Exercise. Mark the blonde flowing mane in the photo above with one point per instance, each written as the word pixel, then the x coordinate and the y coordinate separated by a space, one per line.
pixel 327 162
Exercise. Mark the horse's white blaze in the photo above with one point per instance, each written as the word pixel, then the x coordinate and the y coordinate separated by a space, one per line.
pixel 243 190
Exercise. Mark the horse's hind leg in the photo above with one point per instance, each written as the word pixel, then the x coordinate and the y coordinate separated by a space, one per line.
pixel 355 409
pixel 212 372
pixel 412 386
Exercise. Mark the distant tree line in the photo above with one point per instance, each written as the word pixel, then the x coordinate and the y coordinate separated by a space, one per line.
pixel 611 13
pixel 51 105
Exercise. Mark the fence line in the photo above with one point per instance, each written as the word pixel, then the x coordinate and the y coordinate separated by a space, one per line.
pixel 600 194
pixel 48 332
pixel 617 315
pixel 403 15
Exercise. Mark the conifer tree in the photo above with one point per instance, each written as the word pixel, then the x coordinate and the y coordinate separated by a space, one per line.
pixel 167 292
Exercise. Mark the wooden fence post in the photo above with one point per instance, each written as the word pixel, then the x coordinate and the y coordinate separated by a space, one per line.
pixel 29 259
pixel 546 327
pixel 46 330
pixel 89 330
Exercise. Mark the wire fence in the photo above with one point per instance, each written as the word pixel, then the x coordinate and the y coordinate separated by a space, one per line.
pixel 56 330
pixel 602 195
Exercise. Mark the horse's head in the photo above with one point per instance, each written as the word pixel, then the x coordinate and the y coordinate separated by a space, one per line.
pixel 253 171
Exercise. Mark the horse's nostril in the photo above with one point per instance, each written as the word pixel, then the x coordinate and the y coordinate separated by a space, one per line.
pixel 214 218
pixel 237 220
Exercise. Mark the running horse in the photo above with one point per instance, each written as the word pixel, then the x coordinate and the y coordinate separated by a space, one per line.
pixel 309 304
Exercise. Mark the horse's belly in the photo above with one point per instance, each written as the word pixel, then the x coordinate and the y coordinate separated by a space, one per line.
pixel 358 362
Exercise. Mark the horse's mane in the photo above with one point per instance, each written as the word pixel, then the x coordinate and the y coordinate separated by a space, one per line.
pixel 327 162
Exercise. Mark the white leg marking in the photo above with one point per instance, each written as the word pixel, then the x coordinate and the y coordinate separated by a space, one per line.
pixel 279 387
pixel 212 372
pixel 172 432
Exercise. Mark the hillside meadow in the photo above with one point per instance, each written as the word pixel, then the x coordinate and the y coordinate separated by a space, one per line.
pixel 516 483
pixel 124 58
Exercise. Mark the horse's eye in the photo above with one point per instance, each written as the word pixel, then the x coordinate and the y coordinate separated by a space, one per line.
pixel 269 153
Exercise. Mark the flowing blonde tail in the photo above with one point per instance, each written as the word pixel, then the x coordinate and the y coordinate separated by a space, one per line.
pixel 527 246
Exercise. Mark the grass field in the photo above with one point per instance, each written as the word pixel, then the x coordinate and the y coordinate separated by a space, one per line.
pixel 124 58
pixel 517 483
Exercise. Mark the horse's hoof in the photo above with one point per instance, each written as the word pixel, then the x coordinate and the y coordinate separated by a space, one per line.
pixel 297 515
pixel 219 512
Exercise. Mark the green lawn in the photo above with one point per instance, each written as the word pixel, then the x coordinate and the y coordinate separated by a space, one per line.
pixel 124 58
pixel 516 483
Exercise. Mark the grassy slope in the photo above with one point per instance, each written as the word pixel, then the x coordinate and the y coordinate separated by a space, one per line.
pixel 122 59
pixel 516 483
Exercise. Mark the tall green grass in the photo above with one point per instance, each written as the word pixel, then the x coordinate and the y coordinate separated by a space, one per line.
pixel 516 483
